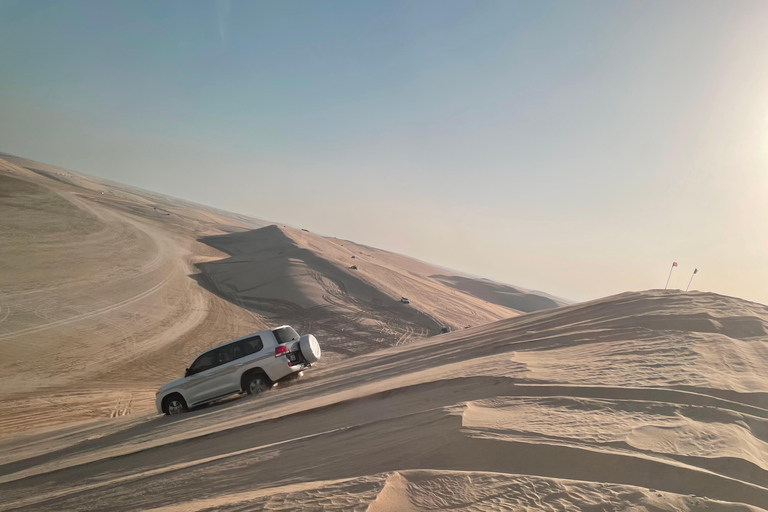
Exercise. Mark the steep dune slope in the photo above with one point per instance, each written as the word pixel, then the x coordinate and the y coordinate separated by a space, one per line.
pixel 96 305
pixel 662 407
pixel 309 281
pixel 108 291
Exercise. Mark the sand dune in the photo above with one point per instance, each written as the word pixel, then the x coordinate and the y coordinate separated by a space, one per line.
pixel 309 282
pixel 108 291
pixel 96 303
pixel 496 417
pixel 498 293
pixel 652 400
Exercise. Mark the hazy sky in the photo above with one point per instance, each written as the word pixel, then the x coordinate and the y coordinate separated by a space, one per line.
pixel 572 147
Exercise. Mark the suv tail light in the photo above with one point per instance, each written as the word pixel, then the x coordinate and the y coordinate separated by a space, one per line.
pixel 281 350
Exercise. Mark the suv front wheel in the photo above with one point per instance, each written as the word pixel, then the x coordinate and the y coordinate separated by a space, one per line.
pixel 174 404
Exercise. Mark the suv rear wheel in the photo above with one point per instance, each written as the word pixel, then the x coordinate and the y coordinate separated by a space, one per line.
pixel 256 384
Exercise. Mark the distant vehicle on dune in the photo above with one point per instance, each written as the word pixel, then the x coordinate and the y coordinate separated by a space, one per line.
pixel 404 300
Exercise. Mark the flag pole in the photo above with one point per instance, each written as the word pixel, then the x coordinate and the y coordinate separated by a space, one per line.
pixel 670 274
pixel 691 280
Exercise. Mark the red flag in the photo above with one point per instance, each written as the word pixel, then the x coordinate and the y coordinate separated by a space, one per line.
pixel 674 264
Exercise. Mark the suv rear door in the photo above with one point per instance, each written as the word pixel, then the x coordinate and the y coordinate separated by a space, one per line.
pixel 254 355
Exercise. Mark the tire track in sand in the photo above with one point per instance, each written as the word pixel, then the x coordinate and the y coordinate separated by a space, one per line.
pixel 91 314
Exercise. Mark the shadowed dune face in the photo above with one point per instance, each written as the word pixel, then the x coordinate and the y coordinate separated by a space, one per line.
pixel 643 416
pixel 308 281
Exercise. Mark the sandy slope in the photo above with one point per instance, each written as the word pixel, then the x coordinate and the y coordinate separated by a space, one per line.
pixel 642 401
pixel 498 293
pixel 107 292
pixel 309 282
pixel 95 297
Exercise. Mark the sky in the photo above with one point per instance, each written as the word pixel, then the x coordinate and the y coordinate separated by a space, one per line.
pixel 577 148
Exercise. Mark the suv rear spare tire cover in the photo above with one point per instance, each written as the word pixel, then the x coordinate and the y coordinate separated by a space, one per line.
pixel 310 348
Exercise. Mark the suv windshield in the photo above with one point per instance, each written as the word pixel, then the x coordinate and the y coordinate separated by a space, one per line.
pixel 286 334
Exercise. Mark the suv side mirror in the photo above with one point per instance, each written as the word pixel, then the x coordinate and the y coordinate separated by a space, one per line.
pixel 187 373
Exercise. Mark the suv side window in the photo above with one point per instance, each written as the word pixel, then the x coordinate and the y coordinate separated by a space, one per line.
pixel 251 345
pixel 228 353
pixel 202 363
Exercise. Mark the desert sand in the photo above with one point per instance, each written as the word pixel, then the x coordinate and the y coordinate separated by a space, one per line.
pixel 643 401
pixel 654 400
pixel 108 291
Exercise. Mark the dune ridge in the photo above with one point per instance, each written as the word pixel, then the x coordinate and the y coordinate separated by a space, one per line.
pixel 498 293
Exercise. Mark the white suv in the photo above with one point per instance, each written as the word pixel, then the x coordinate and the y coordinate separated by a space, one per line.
pixel 251 364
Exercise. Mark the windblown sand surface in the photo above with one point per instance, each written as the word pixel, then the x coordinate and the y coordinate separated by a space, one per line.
pixel 653 401
pixel 643 401
pixel 107 292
